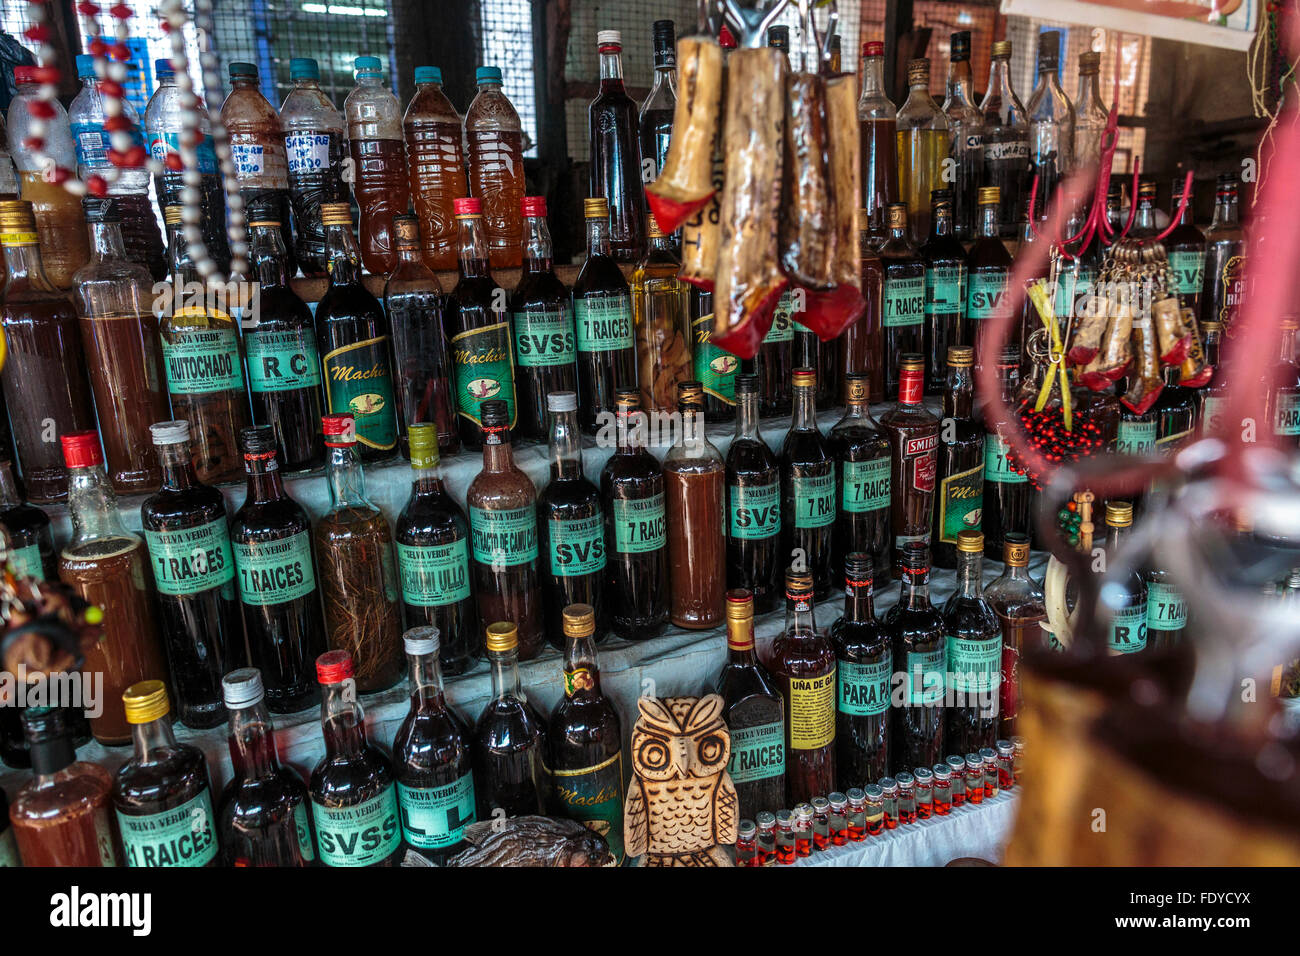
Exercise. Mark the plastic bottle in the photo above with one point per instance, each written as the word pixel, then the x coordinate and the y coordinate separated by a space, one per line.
pixel 379 160
pixel 162 124
pixel 315 143
pixel 257 148
pixel 65 245
pixel 496 167
pixel 130 191
pixel 436 164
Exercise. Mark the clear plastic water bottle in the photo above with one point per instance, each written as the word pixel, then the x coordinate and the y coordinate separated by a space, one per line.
pixel 379 160
pixel 316 143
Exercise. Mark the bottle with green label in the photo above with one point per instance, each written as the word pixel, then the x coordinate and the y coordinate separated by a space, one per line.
pixel 974 654
pixel 1008 495
pixel 903 309
pixel 585 738
pixel 263 813
pixel 270 535
pixel 431 757
pixel 863 471
pixel 754 555
pixel 921 654
pixel 945 287
pixel 1166 610
pixel 432 536
pixel 509 737
pixel 30 543
pixel 162 795
pixel 353 788
pixel 1175 410
pixel 1017 600
pixel 864 673
pixel 194 572
pixel 774 361
pixel 1126 599
pixel 715 367
pixel 1284 389
pixel 1185 245
pixel 959 489
pixel 570 525
pixel 602 317
pixel 1212 400
pixel 808 505
pixel 987 266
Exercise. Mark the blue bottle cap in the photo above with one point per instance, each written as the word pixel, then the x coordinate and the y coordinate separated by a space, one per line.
pixel 242 69
pixel 85 65
pixel 163 68
pixel 367 64
pixel 304 68
pixel 487 74
pixel 428 74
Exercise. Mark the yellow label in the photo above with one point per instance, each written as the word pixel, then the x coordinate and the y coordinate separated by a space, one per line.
pixel 812 712
pixel 19 239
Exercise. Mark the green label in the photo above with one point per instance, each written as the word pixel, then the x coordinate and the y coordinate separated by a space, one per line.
pixel 484 364
pixel 505 537
pixel 1287 420
pixel 544 337
pixel 904 301
pixel 281 361
pixel 594 797
pixel 604 323
pixel 25 562
pixel 782 328
pixel 639 524
pixel 757 752
pixel 435 818
pixel 1136 438
pixel 961 502
pixel 577 545
pixel 1166 607
pixel 755 511
pixel 358 382
pixel 924 679
pixel 975 667
pixel 191 560
pixel 202 360
pixel 1189 271
pixel 277 571
pixel 360 835
pixel 944 289
pixel 1128 630
pixel 9 848
pixel 864 485
pixel 434 575
pixel 814 500
pixel 183 836
pixel 715 368
pixel 864 688
pixel 1070 289
pixel 986 294
pixel 996 467
pixel 1212 409
pixel 301 827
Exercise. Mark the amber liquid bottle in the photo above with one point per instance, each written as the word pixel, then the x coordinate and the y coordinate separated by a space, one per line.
pixel 636 528
pixel 509 737
pixel 959 488
pixel 974 638
pixel 878 128
pixel 105 564
pixel 807 487
pixel 945 288
pixel 660 312
pixel 803 665
pixel 602 312
pixel 1224 287
pixel 503 534
pixel 864 674
pixel 754 711
pixel 431 757
pixel 585 738
pixel 903 313
pixel 916 632
pixel 162 794
pixel 616 152
pixel 913 432
pixel 378 152
pixel 695 492
pixel 862 470
pixel 1185 245
pixel 1017 600
pixel 774 362
pixel 496 165
pixel 1127 630
pixel 44 376
pixel 754 546
pixel 436 161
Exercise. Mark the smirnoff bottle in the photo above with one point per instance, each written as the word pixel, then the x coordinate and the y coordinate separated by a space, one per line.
pixel 913 432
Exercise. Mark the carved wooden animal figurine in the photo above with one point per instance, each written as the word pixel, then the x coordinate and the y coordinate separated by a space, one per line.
pixel 681 805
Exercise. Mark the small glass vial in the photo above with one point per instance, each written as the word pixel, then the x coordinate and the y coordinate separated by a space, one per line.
pixel 990 758
pixel 803 831
pixel 1006 765
pixel 974 778
pixel 906 797
pixel 924 792
pixel 1018 743
pixel 857 814
pixel 785 851
pixel 766 843
pixel 957 765
pixel 942 790
pixel 821 823
pixel 746 848
pixel 839 819
pixel 874 795
pixel 889 796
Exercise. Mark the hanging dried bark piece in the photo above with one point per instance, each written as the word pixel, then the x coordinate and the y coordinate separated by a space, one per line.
pixel 1194 373
pixel 1145 383
pixel 846 175
pixel 1092 377
pixel 1170 331
pixel 1093 319
pixel 1115 352
pixel 807 224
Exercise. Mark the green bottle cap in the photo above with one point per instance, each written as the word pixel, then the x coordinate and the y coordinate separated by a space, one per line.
pixel 423 438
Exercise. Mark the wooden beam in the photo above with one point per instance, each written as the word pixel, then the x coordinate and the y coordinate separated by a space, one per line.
pixel 898 21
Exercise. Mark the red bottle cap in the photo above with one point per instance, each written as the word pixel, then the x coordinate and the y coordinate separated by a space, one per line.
pixel 340 430
pixel 873 48
pixel 334 667
pixel 24 74
pixel 469 206
pixel 726 39
pixel 82 450
pixel 533 206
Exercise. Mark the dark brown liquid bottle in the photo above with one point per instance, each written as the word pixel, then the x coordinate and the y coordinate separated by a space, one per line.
pixel 496 165
pixel 774 361
pixel 1224 286
pixel 755 555
pixel 1017 600
pixel 913 432
pixel 959 485
pixel 861 347
pixel 616 152
pixel 695 493
pixel 945 288
pixel 1008 495
pixel 509 737
pixel 916 632
pixel 974 638
pixel 862 471
pixel 864 673
pixel 807 488
pixel 436 160
pixel 602 312
pixel 903 312
pixel 878 127
pixel 1186 247
pixel 988 265
pixel 30 550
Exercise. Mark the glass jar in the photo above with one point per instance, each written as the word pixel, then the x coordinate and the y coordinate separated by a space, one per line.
pixel 765 844
pixel 1018 744
pixel 889 798
pixel 974 778
pixel 821 823
pixel 957 765
pixel 746 848
pixel 924 792
pixel 942 790
pixel 803 829
pixel 906 797
pixel 839 821
pixel 874 804
pixel 785 848
pixel 1006 765
pixel 857 814
pixel 990 758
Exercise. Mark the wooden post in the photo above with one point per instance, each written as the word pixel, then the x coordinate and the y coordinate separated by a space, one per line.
pixel 898 21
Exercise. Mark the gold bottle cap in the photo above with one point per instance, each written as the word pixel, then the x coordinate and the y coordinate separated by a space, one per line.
pixel 18 223
pixel 798 582
pixel 502 636
pixel 1211 325
pixel 1119 514
pixel 579 620
pixel 961 356
pixel 268 223
pixel 1289 323
pixel 172 215
pixel 335 214
pixel 857 388
pixel 407 231
pixel 423 439
pixel 911 362
pixel 690 395
pixel 898 215
pixel 918 72
pixel 740 604
pixel 145 701
pixel 970 542
pixel 1001 50
pixel 1089 62
pixel 1015 550
pixel 627 399
pixel 804 378
pixel 652 227
pixel 1147 188
pixel 989 195
pixel 597 207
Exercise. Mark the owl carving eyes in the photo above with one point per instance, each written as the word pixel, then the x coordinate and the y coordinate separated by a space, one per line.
pixel 653 756
pixel 711 750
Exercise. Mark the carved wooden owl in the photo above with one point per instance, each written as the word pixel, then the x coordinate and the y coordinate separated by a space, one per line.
pixel 681 803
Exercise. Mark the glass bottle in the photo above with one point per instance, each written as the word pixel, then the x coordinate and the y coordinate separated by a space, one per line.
pixel 542 314
pixel 352 333
pixel 1224 288
pixel 766 839
pixel 924 142
pixel 754 712
pixel 315 143
pixel 194 572
pixel 162 794
pixel 378 156
pixel 808 486
pixel 1006 140
pixel 889 793
pixel 431 757
pixel 746 844
pixel 803 665
pixel 354 554
pixel 105 564
pixel 1090 114
pixel 903 306
pixel 602 311
pixel 785 840
pixel 432 538
pixel 353 787
pixel 435 159
pixel 1213 397
pixel 714 367
pixel 1017 600
pixel 966 127
pixel 942 789
pixel 503 528
pixel 906 797
pixel 1125 604
pixel 8 172
pixel 62 816
pixel 988 266
pixel 496 166
pixel 1051 124
pixel 1008 495
pixel 945 286
pixel 1005 763
pixel 695 493
pixel 753 475
pixel 878 132
pixel 839 818
pixel 916 630
pixel 271 538
pixel 1185 245
pixel 661 318
pixel 913 432
pixel 991 782
pixel 861 453
pixel 1175 410
pixel 803 829
pixel 655 118
pixel 636 532
pixel 974 638
pixel 975 778
pixel 44 374
pixel 959 494
pixel 1284 388
pixel 585 738
pixel 30 550
pixel 864 673
pixel 203 361
pixel 873 800
pixel 509 738
pixel 262 812
pixel 616 152
pixel 957 766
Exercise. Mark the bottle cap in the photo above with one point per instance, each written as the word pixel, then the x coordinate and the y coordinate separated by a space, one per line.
pixel 1146 189
pixel 664 35
pixel 804 378
pixel 1089 62
pixel 533 206
pixel 740 604
pixel 627 400
pixel 24 75
pixel 918 72
pixel 241 69
pixel 82 449
pixel 145 701
pixel 340 430
pixel 422 437
pixel 987 754
pixel 961 356
pixel 609 38
pixel 778 37
pixel 897 215
pixel 859 569
pixel 820 804
pixel 904 778
pixel 837 800
pixel 494 413
pixel 367 65
pixel 873 48
pixel 690 395
pixel 336 214
pixel 170 433
pixel 172 215
pixel 911 362
pixel 334 667
pixel 98 209
pixel 857 388
pixel 562 402
pixel 502 636
pixel 579 620
pixel 161 68
pixel 746 830
pixel 956 763
pixel 428 74
pixel 85 66
pixel 942 771
pixel 595 207
pixel 798 583
pixel 1181 186
pixel 726 39
pixel 242 688
pixel 747 384
pixel 303 68
pixel 652 227
pixel 803 811
pixel 1119 514
pixel 970 541
pixel 1049 50
pixel 1018 743
pixel 1005 748
pixel 467 207
pixel 406 230
pixel 48 739
pixel 974 762
pixel 938 196
pixel 257 441
pixel 1001 50
pixel 1015 549
pixel 487 74
pixel 886 785
pixel 17 216
pixel 916 556
pixel 858 794
pixel 959 46
pixel 422 641
pixel 784 818
pixel 922 774
pixel 989 195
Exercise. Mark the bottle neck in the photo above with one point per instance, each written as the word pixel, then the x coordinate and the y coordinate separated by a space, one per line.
pixel 960 83
pixel 804 414
pixel 628 427
pixel 747 415
pixel 1186 217
pixel 1144 220
pixel 93 505
pixel 1287 351
pixel 346 478
pixel 873 78
pixel 177 466
pixel 1089 92
pixel 911 387
pixel 426 479
pixel 959 398
pixel 597 237
pixel 970 570
pixel 799 620
pixel 693 438
pixel 988 224
pixel 269 259
pixel 342 258
pixel 940 221
pixel 915 589
pixel 1225 210
pixel 539 255
pixel 611 69
pixel 252 742
pixel 581 669
pixel 1114 537
pixel 148 738
pixel 24 262
pixel 472 246
pixel 497 454
pixel 342 719
pixel 264 481
pixel 505 674
pixel 565 446
pixel 1000 81
pixel 426 683
pixel 740 641
pixel 106 241
pixel 1016 572
pixel 1048 75
pixel 859 600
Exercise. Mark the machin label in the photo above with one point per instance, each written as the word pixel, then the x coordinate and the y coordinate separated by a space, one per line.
pixel 358 382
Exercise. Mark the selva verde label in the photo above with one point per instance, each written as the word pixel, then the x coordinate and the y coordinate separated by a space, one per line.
pixel 604 322
pixel 183 836
pixel 757 752
pixel 190 560
pixel 961 502
pixel 640 524
pixel 1166 607
pixel 544 337
pixel 864 688
pixel 782 327
pixel 1136 438
pixel 435 818
pixel 577 545
pixel 275 571
pixel 484 365
pixel 358 382
pixel 715 368
pixel 503 537
pixel 435 574
pixel 199 361
pixel 358 835
pixel 814 500
pixel 755 511
pixel 986 294
pixel 281 361
pixel 924 677
pixel 1188 268
pixel 996 466
pixel 25 562
pixel 945 289
pixel 594 797
pixel 812 711
pixel 975 666
pixel 904 301
pixel 1128 630
pixel 864 485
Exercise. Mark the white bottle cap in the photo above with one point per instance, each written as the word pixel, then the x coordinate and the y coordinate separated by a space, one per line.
pixel 242 688
pixel 421 641
pixel 170 433
pixel 609 38
pixel 562 402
